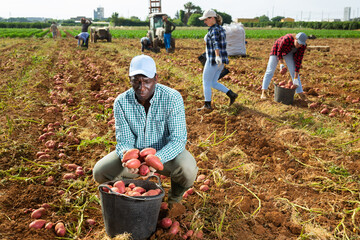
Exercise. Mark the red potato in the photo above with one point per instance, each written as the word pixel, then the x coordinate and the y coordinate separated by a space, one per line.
pixel 131 185
pixel 198 234
pixel 38 154
pixel 44 156
pixel 313 105
pixel 38 212
pixel 60 229
pixel 133 163
pixel 105 189
pixel 133 194
pixel 164 206
pixel 175 228
pixel 68 176
pixel 185 195
pixel 165 222
pixel 37 224
pixel 71 166
pixel 131 154
pixel 115 189
pixel 153 161
pixel 49 181
pixel 207 182
pixel 120 185
pixel 49 225
pixel 190 191
pixel 200 178
pixel 144 170
pixel 151 192
pixel 324 111
pixel 90 222
pixel 79 171
pixel 147 151
pixel 45 205
pixel 139 190
pixel 189 233
pixel 204 188
pixel 282 83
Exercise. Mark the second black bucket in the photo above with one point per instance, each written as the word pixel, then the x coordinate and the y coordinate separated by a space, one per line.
pixel 135 215
pixel 284 95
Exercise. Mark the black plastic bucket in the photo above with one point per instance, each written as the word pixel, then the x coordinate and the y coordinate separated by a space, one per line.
pixel 284 95
pixel 135 215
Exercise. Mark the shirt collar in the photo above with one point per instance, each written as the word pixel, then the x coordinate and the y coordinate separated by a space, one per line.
pixel 213 26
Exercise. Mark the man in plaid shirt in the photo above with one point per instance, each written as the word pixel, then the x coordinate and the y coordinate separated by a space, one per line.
pixel 290 48
pixel 150 115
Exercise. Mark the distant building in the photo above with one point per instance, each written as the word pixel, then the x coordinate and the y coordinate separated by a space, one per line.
pixel 99 13
pixel 244 20
pixel 347 12
pixel 287 20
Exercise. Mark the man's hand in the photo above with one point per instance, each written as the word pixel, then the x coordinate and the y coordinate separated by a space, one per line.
pixel 218 60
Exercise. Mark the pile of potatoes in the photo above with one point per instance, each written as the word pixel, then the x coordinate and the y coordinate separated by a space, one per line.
pixel 130 190
pixel 142 160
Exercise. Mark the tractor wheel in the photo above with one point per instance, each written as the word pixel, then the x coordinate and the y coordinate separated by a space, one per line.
pixel 109 38
pixel 172 43
pixel 156 43
pixel 95 38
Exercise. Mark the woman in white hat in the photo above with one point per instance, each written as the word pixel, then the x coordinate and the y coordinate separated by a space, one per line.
pixel 290 48
pixel 216 57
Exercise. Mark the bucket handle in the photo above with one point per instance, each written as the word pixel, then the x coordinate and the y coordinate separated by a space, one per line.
pixel 159 181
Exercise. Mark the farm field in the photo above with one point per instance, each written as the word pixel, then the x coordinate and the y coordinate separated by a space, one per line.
pixel 181 32
pixel 275 171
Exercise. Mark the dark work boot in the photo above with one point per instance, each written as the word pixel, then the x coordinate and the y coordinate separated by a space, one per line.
pixel 232 96
pixel 176 192
pixel 206 107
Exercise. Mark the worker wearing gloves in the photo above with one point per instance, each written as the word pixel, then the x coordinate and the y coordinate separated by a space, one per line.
pixel 169 27
pixel 290 49
pixel 83 39
pixel 150 115
pixel 216 57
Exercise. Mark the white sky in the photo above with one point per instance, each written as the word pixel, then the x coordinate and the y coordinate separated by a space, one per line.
pixel 64 9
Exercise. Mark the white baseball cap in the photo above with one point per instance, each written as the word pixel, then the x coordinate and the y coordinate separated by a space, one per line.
pixel 142 64
pixel 208 13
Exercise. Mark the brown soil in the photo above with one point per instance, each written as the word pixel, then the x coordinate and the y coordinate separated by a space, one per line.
pixel 270 176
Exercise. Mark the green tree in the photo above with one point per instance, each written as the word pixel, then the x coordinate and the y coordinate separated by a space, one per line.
pixel 114 19
pixel 226 17
pixel 190 9
pixel 195 21
pixel 277 19
pixel 264 18
pixel 182 15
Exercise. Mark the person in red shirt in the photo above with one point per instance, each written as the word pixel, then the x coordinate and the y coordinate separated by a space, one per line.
pixel 290 49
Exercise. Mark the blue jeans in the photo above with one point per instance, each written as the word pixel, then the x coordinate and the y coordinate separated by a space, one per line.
pixel 210 79
pixel 271 67
pixel 167 40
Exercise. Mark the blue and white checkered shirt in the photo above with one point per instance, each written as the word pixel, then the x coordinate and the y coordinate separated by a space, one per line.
pixel 163 128
pixel 216 39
